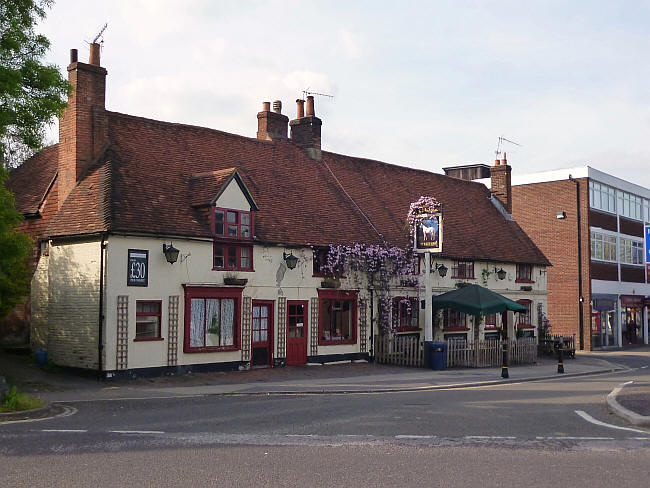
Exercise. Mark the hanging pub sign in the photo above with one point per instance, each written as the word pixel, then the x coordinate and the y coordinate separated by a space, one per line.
pixel 425 216
pixel 137 273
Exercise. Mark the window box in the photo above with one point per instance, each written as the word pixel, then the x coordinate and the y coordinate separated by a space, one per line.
pixel 235 281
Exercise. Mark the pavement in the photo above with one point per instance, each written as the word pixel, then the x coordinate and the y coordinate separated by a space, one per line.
pixel 56 385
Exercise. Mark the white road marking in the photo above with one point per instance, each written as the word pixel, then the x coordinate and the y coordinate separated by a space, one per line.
pixel 488 437
pixel 64 430
pixel 136 431
pixel 594 421
pixel 415 437
pixel 573 438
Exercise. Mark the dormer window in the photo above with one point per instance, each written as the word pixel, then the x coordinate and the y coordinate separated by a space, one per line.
pixel 233 224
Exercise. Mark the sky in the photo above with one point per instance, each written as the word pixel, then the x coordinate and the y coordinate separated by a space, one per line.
pixel 424 84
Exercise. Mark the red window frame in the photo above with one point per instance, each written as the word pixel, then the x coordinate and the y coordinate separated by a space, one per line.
pixel 227 249
pixel 405 317
pixel 526 318
pixel 456 320
pixel 491 321
pixel 524 273
pixel 207 293
pixel 333 296
pixel 158 314
pixel 237 224
pixel 463 269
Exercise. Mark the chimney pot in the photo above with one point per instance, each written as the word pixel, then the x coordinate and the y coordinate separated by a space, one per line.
pixel 497 162
pixel 94 54
pixel 73 56
pixel 310 106
pixel 301 108
pixel 266 106
pixel 277 106
pixel 504 161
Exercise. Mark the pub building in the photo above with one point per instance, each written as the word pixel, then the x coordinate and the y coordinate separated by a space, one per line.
pixel 165 248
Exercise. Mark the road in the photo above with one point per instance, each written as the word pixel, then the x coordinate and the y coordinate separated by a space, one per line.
pixel 545 433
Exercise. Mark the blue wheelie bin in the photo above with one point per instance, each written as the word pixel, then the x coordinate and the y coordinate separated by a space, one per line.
pixel 439 355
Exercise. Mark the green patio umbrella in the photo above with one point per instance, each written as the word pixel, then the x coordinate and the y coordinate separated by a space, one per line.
pixel 475 300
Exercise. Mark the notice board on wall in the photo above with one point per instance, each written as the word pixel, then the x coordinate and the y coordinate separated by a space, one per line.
pixel 137 273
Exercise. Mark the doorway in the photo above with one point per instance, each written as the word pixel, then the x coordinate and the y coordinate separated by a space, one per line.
pixel 296 332
pixel 262 333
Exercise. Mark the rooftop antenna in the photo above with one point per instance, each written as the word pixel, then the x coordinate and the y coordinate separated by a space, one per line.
pixel 501 141
pixel 99 34
pixel 307 92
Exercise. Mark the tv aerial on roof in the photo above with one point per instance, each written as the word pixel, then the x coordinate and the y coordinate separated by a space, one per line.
pixel 307 92
pixel 99 34
pixel 501 141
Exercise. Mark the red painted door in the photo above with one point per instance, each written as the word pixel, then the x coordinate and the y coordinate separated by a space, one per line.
pixel 262 333
pixel 296 332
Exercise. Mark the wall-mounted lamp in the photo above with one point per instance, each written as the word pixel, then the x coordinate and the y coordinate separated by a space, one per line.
pixel 561 215
pixel 171 253
pixel 290 259
pixel 442 270
pixel 501 273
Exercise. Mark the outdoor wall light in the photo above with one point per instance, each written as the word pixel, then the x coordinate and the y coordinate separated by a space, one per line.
pixel 171 253
pixel 290 259
pixel 442 270
pixel 501 273
pixel 561 215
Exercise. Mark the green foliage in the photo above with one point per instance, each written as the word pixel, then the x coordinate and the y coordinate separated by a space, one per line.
pixel 31 93
pixel 16 402
pixel 15 248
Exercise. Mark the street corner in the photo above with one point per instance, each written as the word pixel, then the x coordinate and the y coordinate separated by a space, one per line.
pixel 631 401
pixel 46 412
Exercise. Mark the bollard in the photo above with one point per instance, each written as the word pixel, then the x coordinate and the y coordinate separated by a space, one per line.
pixel 560 362
pixel 504 367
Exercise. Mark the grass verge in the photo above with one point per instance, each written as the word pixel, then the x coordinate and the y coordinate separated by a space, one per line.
pixel 17 402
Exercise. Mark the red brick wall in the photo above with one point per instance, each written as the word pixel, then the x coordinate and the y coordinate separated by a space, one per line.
pixel 83 127
pixel 535 207
pixel 500 186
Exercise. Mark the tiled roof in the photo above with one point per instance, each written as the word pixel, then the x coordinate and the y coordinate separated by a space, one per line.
pixel 204 186
pixel 155 172
pixel 31 180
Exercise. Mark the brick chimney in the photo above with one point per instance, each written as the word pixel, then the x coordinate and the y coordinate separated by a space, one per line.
pixel 501 186
pixel 305 129
pixel 83 128
pixel 272 125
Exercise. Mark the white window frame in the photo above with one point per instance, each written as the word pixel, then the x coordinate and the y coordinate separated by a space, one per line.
pixel 599 192
pixel 598 240
pixel 630 205
pixel 631 251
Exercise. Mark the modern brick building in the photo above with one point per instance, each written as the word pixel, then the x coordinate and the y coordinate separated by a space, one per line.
pixel 593 228
pixel 170 247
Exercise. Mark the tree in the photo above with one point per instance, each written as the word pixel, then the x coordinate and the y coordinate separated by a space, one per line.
pixel 31 92
pixel 15 248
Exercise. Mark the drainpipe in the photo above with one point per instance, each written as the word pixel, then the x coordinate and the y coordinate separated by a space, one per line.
pixel 581 298
pixel 100 343
pixel 372 324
